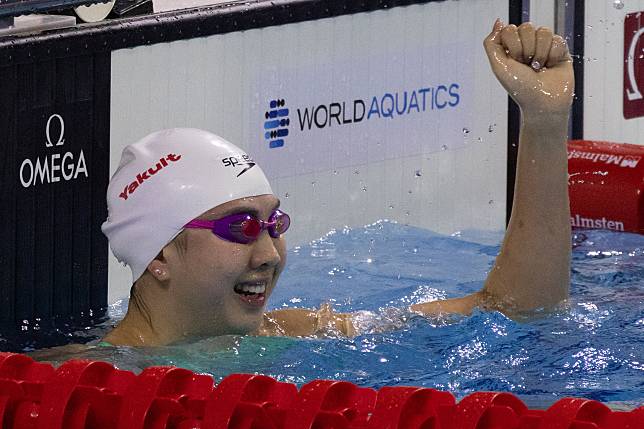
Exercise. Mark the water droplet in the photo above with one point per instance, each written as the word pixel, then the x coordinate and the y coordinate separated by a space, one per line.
pixel 490 202
pixel 618 4
pixel 480 140
pixel 287 195
pixel 466 131
pixel 444 147
pixel 364 189
pixel 313 183
pixel 391 206
pixel 409 191
pixel 490 129
pixel 418 173
pixel 356 171
pixel 335 172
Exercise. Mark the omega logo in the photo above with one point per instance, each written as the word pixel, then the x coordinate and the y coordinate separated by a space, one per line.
pixel 61 140
pixel 54 167
pixel 633 93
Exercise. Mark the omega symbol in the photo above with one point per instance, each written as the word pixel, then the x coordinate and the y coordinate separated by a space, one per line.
pixel 61 137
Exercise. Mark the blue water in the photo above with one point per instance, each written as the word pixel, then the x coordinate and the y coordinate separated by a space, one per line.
pixel 591 347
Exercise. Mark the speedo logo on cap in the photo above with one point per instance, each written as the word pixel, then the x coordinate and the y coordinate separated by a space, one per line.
pixel 242 159
pixel 147 174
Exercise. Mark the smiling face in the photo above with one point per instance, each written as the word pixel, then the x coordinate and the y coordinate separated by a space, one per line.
pixel 218 287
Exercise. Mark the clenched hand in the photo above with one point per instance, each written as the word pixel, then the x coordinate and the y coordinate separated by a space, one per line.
pixel 534 66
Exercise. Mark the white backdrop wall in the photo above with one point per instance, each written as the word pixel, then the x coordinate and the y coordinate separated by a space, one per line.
pixel 603 74
pixel 542 13
pixel 440 164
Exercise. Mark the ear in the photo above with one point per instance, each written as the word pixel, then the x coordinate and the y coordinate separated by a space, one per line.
pixel 159 268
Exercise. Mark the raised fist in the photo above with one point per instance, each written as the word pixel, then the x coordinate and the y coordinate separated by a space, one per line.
pixel 534 66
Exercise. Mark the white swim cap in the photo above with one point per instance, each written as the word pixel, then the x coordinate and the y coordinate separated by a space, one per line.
pixel 167 179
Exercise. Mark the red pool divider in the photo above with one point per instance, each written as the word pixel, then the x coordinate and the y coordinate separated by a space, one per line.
pixel 606 185
pixel 95 395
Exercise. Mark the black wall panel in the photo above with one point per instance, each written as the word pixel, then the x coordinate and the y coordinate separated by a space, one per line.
pixel 54 169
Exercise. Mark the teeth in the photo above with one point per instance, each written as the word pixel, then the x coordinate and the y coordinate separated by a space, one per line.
pixel 250 288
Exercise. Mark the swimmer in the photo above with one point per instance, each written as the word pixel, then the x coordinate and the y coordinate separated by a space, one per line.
pixel 197 222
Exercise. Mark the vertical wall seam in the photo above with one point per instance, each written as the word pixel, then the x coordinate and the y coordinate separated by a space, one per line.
pixel 578 65
pixel 515 14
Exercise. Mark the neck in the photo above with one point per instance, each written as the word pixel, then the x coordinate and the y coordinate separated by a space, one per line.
pixel 143 324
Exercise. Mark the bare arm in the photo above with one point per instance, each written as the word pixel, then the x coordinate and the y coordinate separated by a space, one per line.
pixel 303 322
pixel 533 268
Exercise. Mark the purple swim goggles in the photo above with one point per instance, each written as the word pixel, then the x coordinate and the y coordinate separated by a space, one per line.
pixel 244 228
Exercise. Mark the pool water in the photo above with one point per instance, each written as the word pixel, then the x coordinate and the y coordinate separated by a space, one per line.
pixel 590 347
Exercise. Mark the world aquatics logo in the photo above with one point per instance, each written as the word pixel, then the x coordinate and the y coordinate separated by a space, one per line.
pixel 276 123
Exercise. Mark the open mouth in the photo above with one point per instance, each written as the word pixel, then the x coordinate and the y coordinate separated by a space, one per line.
pixel 252 293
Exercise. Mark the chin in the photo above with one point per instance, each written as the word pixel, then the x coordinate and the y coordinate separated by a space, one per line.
pixel 248 325
pixel 247 328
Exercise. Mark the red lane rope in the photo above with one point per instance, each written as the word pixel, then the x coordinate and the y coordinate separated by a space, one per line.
pixel 94 395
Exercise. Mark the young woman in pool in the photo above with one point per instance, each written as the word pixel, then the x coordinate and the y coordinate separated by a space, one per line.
pixel 197 222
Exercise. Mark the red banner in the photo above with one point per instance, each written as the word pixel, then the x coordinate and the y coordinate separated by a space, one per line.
pixel 606 185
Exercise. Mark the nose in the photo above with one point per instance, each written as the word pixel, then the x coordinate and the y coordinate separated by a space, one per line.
pixel 265 252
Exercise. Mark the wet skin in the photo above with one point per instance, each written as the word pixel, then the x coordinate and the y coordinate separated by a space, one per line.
pixel 208 270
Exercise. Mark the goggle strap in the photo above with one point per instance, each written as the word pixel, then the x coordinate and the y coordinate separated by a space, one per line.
pixel 196 223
